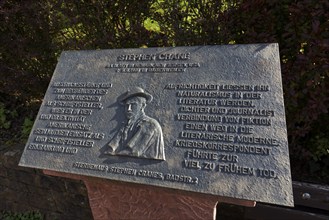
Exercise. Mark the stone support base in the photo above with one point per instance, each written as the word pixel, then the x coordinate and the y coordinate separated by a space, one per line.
pixel 120 200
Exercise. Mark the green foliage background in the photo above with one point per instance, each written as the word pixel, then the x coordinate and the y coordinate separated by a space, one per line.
pixel 30 215
pixel 33 34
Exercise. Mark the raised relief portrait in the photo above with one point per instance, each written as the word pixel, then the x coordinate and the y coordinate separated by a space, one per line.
pixel 140 136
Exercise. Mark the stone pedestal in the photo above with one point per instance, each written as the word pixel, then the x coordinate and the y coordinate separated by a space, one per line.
pixel 120 200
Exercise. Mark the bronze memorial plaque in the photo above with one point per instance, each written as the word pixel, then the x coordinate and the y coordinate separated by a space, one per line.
pixel 207 119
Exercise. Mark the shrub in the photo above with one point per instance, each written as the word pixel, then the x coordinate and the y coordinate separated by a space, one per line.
pixel 30 215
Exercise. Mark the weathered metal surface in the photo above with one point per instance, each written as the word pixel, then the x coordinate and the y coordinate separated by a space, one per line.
pixel 207 119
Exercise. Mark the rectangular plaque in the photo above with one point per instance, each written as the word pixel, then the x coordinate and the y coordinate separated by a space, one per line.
pixel 207 119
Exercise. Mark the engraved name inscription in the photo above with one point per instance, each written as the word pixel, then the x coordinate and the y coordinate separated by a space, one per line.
pixel 160 63
pixel 171 177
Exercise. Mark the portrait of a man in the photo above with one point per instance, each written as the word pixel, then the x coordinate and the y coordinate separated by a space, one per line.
pixel 140 136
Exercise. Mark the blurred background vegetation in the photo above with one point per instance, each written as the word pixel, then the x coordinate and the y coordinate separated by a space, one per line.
pixel 34 33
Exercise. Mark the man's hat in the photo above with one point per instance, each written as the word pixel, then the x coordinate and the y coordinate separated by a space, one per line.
pixel 136 91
